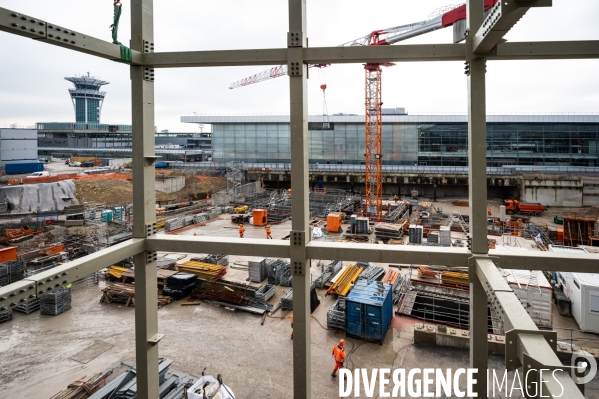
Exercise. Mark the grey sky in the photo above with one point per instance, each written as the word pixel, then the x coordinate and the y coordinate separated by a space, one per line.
pixel 32 88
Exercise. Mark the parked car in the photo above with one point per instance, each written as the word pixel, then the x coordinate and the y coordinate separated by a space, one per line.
pixel 87 164
pixel 37 174
pixel 74 163
pixel 44 160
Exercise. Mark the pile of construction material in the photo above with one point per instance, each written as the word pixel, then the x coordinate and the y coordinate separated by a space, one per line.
pixel 56 302
pixel 179 285
pixel 125 293
pixel 455 278
pixel 29 306
pixel 216 259
pixel 328 272
pixel 231 294
pixel 204 271
pixel 84 388
pixel 385 231
pixel 415 234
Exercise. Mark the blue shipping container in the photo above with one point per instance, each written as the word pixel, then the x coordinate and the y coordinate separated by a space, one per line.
pixel 369 310
pixel 16 168
pixel 161 165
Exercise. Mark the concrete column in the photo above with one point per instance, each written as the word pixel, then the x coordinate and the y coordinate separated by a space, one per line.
pixel 477 174
pixel 144 198
pixel 300 233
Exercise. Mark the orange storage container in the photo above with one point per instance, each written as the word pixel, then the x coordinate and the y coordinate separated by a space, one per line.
pixel 334 223
pixel 260 217
pixel 560 235
pixel 8 253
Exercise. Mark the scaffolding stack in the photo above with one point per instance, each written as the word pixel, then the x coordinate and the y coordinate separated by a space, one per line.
pixel 328 272
pixel 257 270
pixel 5 315
pixel 287 300
pixel 266 292
pixel 56 302
pixel 336 315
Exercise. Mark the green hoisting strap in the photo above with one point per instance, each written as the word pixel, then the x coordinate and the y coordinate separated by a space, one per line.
pixel 125 51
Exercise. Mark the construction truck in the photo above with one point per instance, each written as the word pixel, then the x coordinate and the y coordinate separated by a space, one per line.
pixel 523 208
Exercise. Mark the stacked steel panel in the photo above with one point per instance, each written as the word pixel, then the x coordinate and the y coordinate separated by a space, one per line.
pixel 445 236
pixel 200 217
pixel 56 302
pixel 286 279
pixel 287 300
pixel 432 238
pixel 11 272
pixel 373 273
pixel 328 272
pixel 257 270
pixel 266 292
pixel 384 231
pixel 173 224
pixel 362 226
pixel 415 234
pixel 29 306
pixel 5 315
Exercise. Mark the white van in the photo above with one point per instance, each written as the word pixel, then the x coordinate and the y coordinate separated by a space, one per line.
pixel 38 174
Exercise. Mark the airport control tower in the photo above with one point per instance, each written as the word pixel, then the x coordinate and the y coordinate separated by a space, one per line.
pixel 87 98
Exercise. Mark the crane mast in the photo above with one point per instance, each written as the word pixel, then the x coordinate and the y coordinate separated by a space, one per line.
pixel 373 129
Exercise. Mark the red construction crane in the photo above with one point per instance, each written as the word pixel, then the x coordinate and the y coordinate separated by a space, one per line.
pixel 441 18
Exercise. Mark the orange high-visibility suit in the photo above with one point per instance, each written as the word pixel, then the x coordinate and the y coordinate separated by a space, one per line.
pixel 241 231
pixel 339 356
pixel 291 325
pixel 268 232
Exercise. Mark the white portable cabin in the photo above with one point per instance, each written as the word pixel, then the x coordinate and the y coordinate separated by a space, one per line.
pixel 535 294
pixel 583 291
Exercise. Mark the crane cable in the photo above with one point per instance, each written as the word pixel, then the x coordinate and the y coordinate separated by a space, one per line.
pixel 125 51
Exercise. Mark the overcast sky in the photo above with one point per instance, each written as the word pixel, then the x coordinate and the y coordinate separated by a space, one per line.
pixel 32 88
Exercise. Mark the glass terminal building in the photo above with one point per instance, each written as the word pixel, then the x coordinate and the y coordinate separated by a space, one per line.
pixel 87 98
pixel 432 140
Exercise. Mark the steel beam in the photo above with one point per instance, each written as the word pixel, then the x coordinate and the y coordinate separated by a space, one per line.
pixel 526 346
pixel 536 260
pixel 300 207
pixel 583 49
pixel 218 245
pixel 477 193
pixel 43 283
pixel 187 59
pixel 35 28
pixel 500 19
pixel 144 200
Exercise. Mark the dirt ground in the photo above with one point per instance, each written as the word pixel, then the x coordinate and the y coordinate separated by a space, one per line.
pixel 39 355
pixel 118 191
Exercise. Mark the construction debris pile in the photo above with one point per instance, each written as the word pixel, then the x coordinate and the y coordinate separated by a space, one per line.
pixel 125 293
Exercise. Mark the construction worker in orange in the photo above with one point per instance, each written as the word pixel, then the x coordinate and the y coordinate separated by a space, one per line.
pixel 241 230
pixel 289 192
pixel 291 325
pixel 268 232
pixel 339 356
pixel 207 197
pixel 361 213
pixel 489 211
pixel 395 198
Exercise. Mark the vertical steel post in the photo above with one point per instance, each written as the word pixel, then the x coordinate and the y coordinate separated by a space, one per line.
pixel 144 199
pixel 477 187
pixel 300 234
